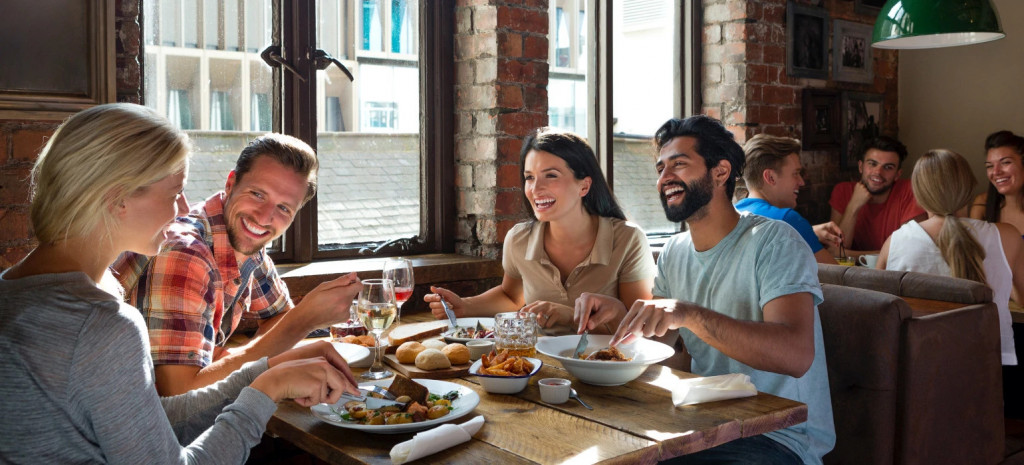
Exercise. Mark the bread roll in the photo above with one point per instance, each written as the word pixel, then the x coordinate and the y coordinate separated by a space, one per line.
pixel 432 359
pixel 457 353
pixel 408 351
pixel 434 344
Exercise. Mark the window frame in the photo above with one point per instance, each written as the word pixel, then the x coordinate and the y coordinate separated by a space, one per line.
pixel 437 134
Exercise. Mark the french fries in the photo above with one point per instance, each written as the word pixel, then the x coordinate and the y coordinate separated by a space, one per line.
pixel 503 365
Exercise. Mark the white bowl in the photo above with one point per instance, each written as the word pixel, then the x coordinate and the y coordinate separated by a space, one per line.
pixel 504 384
pixel 643 352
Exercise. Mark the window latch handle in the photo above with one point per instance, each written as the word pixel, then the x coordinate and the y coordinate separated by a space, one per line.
pixel 272 56
pixel 324 60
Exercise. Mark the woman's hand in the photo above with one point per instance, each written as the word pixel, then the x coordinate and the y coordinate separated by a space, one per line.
pixel 307 381
pixel 455 303
pixel 593 310
pixel 550 314
pixel 318 349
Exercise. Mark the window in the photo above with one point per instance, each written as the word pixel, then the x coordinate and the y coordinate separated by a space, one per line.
pixel 203 70
pixel 649 55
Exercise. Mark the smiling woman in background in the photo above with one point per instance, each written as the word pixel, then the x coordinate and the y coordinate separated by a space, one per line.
pixel 78 377
pixel 1004 201
pixel 579 241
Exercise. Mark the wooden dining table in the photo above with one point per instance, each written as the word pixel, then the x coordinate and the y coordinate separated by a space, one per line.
pixel 635 423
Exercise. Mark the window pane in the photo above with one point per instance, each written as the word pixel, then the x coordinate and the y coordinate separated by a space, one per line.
pixel 370 131
pixel 222 98
pixel 231 25
pixel 372 25
pixel 257 25
pixel 170 26
pixel 644 34
pixel 567 83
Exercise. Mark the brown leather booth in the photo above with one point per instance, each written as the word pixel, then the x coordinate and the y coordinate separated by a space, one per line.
pixel 911 386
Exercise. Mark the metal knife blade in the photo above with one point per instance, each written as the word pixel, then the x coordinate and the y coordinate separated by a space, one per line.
pixel 582 345
pixel 371 402
pixel 451 315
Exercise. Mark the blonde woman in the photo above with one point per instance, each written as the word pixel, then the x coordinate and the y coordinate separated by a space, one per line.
pixel 78 377
pixel 959 247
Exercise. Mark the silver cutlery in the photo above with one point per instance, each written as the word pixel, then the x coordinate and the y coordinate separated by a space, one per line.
pixel 451 315
pixel 572 395
pixel 582 345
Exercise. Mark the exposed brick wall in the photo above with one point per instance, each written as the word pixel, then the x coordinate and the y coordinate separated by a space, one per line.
pixel 501 52
pixel 20 141
pixel 745 84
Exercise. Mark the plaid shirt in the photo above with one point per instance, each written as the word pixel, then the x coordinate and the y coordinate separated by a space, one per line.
pixel 183 292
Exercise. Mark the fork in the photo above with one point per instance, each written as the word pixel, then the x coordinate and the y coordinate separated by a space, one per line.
pixel 379 390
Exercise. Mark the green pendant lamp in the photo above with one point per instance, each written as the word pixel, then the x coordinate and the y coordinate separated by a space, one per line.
pixel 910 24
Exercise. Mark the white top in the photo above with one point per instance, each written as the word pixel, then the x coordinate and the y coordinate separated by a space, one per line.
pixel 912 249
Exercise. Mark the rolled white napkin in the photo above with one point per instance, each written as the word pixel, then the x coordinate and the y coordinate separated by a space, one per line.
pixel 712 388
pixel 435 440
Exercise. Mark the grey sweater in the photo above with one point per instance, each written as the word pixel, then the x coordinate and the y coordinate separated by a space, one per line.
pixel 76 385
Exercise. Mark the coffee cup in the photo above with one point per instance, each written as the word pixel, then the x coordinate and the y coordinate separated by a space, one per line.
pixel 554 390
pixel 868 260
pixel 477 348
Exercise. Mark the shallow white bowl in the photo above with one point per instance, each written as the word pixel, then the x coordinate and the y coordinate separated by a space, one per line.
pixel 504 384
pixel 644 352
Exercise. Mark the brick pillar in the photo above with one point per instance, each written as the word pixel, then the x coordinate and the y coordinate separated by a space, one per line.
pixel 20 141
pixel 501 65
pixel 746 86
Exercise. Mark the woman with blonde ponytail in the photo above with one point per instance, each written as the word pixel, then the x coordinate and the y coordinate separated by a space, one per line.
pixel 959 247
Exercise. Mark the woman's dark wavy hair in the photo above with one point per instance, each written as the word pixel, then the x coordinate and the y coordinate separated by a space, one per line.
pixel 581 160
pixel 995 201
pixel 714 143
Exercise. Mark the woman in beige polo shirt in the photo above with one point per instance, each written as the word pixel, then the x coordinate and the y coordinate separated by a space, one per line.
pixel 579 241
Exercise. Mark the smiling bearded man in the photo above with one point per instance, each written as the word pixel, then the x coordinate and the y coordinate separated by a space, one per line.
pixel 214 271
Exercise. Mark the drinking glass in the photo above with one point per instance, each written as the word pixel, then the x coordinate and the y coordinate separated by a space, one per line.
pixel 377 311
pixel 516 332
pixel 399 270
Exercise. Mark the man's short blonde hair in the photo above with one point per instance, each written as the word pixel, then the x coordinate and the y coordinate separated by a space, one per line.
pixel 766 152
pixel 96 158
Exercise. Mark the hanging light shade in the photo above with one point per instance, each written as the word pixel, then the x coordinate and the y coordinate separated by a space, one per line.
pixel 935 23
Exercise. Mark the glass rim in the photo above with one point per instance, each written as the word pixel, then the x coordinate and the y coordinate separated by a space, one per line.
pixel 378 281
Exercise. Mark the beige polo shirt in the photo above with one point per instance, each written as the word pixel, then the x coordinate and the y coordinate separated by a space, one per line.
pixel 620 254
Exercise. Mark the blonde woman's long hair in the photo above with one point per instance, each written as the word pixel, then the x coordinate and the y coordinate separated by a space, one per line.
pixel 943 184
pixel 97 158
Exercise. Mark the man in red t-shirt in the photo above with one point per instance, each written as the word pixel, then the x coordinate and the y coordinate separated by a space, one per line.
pixel 869 211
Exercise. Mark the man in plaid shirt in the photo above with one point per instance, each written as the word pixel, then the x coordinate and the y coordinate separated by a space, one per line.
pixel 213 271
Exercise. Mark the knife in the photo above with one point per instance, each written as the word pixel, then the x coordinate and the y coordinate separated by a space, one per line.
pixel 371 402
pixel 582 345
pixel 451 315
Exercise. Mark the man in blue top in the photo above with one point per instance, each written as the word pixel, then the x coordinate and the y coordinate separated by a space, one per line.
pixel 774 176
pixel 741 289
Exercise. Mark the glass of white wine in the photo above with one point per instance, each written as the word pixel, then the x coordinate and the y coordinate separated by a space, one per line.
pixel 377 311
pixel 399 270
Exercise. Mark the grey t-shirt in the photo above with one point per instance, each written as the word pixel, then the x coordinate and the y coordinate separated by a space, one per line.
pixel 78 385
pixel 758 261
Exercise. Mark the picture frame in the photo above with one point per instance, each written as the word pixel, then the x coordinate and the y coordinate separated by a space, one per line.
pixel 76 68
pixel 806 41
pixel 821 119
pixel 852 59
pixel 868 7
pixel 862 117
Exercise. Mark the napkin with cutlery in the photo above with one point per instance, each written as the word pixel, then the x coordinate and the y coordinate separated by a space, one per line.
pixel 435 440
pixel 712 388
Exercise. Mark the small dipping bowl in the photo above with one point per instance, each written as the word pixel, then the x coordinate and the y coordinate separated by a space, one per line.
pixel 554 390
pixel 477 348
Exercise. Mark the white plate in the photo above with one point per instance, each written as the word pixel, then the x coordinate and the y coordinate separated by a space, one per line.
pixel 469 323
pixel 467 401
pixel 356 355
pixel 643 352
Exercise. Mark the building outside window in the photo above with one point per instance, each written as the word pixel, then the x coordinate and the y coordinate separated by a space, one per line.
pixel 203 70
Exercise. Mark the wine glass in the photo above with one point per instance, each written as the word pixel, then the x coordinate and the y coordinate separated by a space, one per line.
pixel 377 311
pixel 399 270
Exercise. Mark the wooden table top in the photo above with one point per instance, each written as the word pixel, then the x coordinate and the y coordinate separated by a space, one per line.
pixel 635 423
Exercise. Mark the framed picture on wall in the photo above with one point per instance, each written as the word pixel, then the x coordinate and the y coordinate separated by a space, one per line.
pixel 862 117
pixel 806 41
pixel 851 52
pixel 821 119
pixel 868 7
